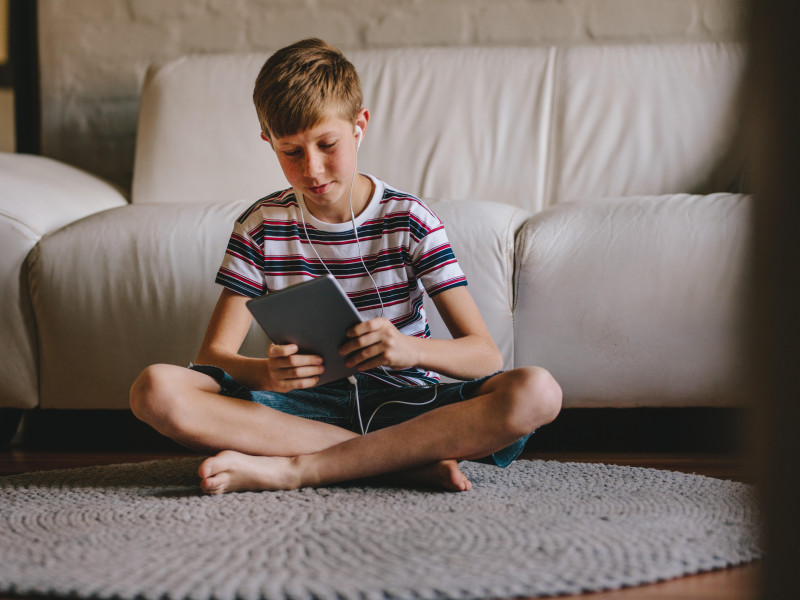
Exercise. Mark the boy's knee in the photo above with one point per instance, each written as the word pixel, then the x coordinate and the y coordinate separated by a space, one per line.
pixel 534 398
pixel 149 393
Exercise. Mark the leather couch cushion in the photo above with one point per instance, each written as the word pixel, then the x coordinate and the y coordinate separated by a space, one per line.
pixel 198 134
pixel 637 301
pixel 525 126
pixel 123 289
pixel 482 235
pixel 134 286
pixel 641 119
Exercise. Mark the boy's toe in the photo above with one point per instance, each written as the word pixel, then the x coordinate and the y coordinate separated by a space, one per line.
pixel 214 484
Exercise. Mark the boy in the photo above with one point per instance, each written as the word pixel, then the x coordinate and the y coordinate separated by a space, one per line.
pixel 272 427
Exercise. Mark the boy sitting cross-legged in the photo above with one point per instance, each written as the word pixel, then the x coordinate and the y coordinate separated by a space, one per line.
pixel 271 425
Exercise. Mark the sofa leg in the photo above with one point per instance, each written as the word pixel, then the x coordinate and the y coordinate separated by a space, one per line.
pixel 9 423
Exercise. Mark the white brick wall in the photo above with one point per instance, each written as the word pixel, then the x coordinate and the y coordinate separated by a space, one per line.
pixel 642 19
pixel 94 53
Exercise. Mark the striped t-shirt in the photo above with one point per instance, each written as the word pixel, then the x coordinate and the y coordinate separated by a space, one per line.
pixel 402 242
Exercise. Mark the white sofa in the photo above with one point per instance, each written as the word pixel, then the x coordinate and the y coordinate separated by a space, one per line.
pixel 576 184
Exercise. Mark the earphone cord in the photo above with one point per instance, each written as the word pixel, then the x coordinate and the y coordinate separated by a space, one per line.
pixel 364 430
pixel 352 379
pixel 355 233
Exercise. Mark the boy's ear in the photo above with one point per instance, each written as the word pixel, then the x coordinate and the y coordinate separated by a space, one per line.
pixel 363 119
pixel 265 138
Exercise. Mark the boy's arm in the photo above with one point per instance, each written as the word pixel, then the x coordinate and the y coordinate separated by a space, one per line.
pixel 471 353
pixel 284 370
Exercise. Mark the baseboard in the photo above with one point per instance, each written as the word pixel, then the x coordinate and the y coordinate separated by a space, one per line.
pixel 697 429
pixel 705 430
pixel 90 430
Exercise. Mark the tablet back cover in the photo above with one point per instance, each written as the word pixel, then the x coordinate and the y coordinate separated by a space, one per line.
pixel 315 315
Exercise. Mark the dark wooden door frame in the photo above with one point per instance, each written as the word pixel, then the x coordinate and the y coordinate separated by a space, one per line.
pixel 23 72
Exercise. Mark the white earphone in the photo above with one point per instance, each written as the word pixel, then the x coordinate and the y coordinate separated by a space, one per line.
pixel 352 378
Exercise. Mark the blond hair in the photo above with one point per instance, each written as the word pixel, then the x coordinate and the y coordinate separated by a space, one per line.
pixel 304 84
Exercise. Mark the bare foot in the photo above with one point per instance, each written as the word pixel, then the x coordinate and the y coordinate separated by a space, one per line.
pixel 231 471
pixel 443 474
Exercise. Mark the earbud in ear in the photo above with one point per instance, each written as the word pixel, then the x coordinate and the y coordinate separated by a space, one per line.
pixel 359 135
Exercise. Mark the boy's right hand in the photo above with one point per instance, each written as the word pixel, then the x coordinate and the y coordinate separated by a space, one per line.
pixel 288 370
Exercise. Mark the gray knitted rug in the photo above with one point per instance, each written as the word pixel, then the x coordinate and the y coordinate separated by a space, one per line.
pixel 538 528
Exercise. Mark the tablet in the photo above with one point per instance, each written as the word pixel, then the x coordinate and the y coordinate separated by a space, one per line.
pixel 315 315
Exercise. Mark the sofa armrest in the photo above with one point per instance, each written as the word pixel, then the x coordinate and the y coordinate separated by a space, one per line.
pixel 637 301
pixel 37 196
pixel 42 194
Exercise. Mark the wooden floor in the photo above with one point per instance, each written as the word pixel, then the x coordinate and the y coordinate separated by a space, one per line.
pixel 740 583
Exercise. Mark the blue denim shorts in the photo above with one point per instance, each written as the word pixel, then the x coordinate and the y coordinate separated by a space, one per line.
pixel 335 403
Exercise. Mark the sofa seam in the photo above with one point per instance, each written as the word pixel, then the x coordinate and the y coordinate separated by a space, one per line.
pixel 513 233
pixel 11 217
pixel 510 285
pixel 30 262
pixel 550 167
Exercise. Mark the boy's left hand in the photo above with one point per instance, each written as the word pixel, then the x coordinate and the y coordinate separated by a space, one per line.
pixel 376 343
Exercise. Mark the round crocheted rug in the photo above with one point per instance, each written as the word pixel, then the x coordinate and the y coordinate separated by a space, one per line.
pixel 537 528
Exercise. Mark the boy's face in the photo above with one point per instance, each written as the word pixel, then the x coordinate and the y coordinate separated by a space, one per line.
pixel 321 162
